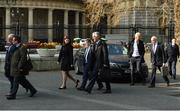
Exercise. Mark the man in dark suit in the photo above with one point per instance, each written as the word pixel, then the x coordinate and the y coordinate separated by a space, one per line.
pixel 87 63
pixel 157 60
pixel 101 61
pixel 9 51
pixel 172 53
pixel 18 59
pixel 136 54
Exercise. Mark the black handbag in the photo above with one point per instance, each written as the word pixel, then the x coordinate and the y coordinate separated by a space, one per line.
pixel 28 64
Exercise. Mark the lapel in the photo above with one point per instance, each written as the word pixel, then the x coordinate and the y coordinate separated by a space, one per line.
pixel 157 47
pixel 97 45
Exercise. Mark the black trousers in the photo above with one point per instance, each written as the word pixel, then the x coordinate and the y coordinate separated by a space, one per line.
pixel 99 82
pixel 172 67
pixel 24 82
pixel 85 76
pixel 153 76
pixel 135 65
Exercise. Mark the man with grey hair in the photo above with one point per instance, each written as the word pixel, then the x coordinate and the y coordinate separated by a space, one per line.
pixel 101 62
pixel 157 60
pixel 9 52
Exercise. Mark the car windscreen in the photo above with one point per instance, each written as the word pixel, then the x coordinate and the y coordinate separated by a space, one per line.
pixel 115 49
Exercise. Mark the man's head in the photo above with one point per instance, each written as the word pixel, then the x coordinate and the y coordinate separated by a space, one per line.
pixel 10 38
pixel 16 40
pixel 87 42
pixel 153 39
pixel 173 41
pixel 96 36
pixel 137 36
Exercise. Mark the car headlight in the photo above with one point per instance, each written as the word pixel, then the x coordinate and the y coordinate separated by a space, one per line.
pixel 111 63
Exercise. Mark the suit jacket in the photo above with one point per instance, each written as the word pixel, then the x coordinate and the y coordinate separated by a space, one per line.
pixel 8 56
pixel 101 55
pixel 141 49
pixel 158 58
pixel 172 53
pixel 90 59
pixel 19 58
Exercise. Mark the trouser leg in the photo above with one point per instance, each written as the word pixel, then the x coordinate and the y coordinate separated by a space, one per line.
pixel 85 77
pixel 24 82
pixel 132 66
pixel 170 68
pixel 153 75
pixel 15 86
pixel 92 80
pixel 174 68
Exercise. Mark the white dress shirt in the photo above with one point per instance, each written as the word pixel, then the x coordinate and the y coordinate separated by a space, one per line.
pixel 154 47
pixel 135 51
pixel 86 53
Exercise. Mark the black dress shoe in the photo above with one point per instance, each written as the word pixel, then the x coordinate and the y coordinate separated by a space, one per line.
pixel 151 86
pixel 100 87
pixel 174 77
pixel 33 93
pixel 77 82
pixel 88 91
pixel 62 87
pixel 81 89
pixel 10 97
pixel 107 92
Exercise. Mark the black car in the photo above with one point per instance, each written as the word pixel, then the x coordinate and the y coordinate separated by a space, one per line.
pixel 119 63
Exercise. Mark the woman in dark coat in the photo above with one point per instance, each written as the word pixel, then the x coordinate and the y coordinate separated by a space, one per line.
pixel 66 62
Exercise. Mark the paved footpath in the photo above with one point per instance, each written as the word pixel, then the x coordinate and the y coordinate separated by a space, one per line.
pixel 123 97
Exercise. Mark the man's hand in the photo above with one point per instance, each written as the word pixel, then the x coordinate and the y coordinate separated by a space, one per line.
pixel 57 62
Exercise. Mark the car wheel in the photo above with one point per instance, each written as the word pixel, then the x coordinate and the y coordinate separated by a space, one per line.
pixel 76 67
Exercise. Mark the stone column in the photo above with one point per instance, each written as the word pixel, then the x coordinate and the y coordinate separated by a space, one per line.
pixel 8 21
pixel 77 24
pixel 30 24
pixel 84 23
pixel 66 22
pixel 50 23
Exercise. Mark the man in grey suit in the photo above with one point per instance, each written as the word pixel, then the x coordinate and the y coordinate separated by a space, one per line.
pixel 157 60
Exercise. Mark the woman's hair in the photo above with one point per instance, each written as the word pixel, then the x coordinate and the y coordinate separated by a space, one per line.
pixel 66 37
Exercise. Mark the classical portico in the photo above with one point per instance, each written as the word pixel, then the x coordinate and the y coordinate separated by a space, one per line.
pixel 45 14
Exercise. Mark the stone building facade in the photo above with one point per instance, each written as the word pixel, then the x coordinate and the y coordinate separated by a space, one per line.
pixel 50 20
pixel 38 17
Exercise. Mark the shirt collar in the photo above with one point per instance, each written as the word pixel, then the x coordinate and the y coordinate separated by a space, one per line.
pixel 98 42
pixel 17 45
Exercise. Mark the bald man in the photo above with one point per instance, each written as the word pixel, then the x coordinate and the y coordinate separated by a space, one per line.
pixel 157 60
pixel 136 54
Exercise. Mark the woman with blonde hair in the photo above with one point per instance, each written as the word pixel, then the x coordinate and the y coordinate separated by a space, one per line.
pixel 66 62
